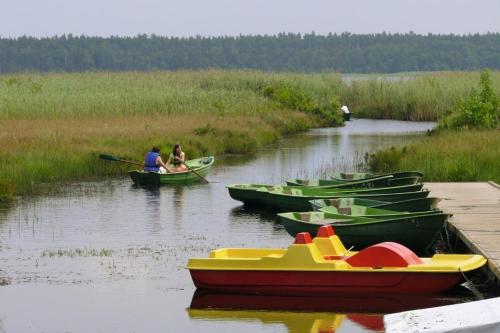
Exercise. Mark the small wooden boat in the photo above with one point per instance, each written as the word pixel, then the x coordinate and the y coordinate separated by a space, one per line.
pixel 200 165
pixel 256 194
pixel 345 176
pixel 385 181
pixel 412 205
pixel 299 200
pixel 417 231
pixel 324 265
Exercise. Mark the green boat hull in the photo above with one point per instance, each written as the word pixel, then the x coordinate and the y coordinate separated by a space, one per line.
pixel 201 166
pixel 254 194
pixel 386 181
pixel 412 205
pixel 418 233
pixel 290 202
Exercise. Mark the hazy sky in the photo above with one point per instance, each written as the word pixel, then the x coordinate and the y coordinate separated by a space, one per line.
pixel 232 17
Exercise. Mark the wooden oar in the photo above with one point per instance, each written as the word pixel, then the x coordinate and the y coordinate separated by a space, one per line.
pixel 196 173
pixel 108 157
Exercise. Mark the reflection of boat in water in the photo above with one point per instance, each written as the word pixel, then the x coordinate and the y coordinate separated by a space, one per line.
pixel 332 303
pixel 295 322
pixel 307 313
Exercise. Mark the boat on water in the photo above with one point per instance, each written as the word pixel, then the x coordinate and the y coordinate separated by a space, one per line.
pixel 201 167
pixel 299 200
pixel 256 194
pixel 417 231
pixel 346 176
pixel 323 265
pixel 384 181
pixel 411 205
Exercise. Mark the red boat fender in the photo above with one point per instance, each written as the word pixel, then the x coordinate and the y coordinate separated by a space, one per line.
pixel 387 254
pixel 325 231
pixel 302 238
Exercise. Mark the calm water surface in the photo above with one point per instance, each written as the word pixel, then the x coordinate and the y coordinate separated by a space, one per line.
pixel 110 257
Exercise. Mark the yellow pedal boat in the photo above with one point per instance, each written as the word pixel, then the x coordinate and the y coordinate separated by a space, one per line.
pixel 324 265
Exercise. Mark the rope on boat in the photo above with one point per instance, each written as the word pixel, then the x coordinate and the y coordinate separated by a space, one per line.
pixel 447 235
pixel 471 286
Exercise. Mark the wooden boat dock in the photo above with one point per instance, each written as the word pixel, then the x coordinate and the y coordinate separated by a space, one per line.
pixel 476 216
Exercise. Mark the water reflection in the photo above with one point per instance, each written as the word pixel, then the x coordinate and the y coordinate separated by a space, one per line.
pixel 308 313
pixel 331 303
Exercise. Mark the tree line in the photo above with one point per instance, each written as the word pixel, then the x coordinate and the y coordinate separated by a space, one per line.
pixel 346 52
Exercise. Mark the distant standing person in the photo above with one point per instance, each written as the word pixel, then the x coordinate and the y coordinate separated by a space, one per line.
pixel 176 159
pixel 154 163
pixel 345 112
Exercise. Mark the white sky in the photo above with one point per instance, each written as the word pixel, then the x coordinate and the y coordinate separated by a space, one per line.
pixel 233 17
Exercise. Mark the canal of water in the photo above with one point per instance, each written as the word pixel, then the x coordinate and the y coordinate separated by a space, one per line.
pixel 110 257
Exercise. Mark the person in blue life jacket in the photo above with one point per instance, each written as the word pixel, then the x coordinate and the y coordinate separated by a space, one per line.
pixel 176 159
pixel 154 163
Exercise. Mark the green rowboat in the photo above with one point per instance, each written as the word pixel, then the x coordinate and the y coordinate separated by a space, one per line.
pixel 412 205
pixel 385 181
pixel 200 165
pixel 363 175
pixel 298 200
pixel 416 232
pixel 252 194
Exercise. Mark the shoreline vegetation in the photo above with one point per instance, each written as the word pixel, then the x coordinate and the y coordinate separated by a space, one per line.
pixel 465 146
pixel 54 125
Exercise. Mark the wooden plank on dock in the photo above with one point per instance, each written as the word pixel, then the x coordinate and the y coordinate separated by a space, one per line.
pixel 476 216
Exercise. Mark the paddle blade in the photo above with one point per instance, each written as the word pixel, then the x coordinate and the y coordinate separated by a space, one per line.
pixel 109 157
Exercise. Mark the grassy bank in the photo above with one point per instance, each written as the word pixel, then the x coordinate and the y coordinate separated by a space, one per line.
pixel 447 156
pixel 53 126
pixel 418 97
pixel 465 147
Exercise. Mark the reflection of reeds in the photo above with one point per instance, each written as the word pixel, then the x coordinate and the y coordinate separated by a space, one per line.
pixel 447 156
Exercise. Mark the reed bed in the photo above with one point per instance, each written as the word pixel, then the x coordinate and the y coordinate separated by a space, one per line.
pixel 53 126
pixel 447 156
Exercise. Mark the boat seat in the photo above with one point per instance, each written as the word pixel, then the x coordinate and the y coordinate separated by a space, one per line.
pixel 302 238
pixel 387 254
pixel 344 210
pixel 306 217
pixel 334 203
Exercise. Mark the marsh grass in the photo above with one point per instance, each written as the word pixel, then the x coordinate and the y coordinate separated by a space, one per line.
pixel 446 156
pixel 53 126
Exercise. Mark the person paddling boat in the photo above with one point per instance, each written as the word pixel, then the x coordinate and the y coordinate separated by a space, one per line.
pixel 154 163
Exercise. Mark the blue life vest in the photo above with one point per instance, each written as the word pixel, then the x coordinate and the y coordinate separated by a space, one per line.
pixel 150 162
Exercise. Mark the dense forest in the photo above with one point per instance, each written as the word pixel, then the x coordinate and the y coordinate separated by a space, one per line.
pixel 348 53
